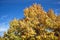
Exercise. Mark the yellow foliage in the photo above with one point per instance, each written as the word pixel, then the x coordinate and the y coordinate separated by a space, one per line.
pixel 34 25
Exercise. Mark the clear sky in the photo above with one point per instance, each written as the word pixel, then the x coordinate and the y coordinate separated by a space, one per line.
pixel 10 9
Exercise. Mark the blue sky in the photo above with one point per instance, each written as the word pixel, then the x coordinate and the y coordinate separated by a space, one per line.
pixel 10 9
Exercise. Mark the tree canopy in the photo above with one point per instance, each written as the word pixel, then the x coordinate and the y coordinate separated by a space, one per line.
pixel 37 25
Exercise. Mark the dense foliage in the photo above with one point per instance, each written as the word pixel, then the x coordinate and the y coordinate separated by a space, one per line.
pixel 37 25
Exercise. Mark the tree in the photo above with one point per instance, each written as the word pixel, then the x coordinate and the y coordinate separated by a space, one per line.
pixel 37 25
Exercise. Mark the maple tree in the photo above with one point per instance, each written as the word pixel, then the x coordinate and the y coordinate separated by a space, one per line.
pixel 37 25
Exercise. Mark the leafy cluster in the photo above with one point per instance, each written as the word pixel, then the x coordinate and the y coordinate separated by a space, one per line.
pixel 37 25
